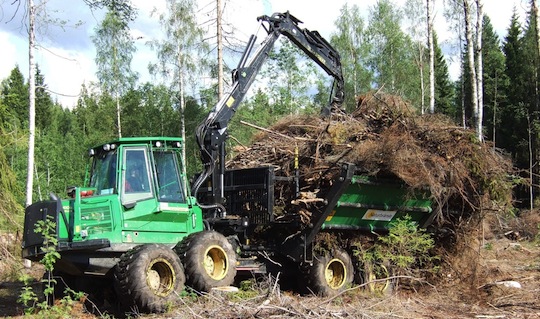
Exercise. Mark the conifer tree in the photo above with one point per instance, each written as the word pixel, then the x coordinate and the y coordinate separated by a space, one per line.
pixel 495 80
pixel 15 98
pixel 531 97
pixel 44 102
pixel 10 210
pixel 444 89
pixel 513 131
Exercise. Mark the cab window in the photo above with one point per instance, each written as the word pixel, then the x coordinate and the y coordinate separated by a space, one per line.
pixel 103 173
pixel 136 178
pixel 169 177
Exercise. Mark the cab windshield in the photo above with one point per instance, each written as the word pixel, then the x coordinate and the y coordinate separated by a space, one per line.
pixel 168 176
pixel 103 173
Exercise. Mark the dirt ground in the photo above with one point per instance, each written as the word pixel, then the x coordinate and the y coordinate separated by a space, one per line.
pixel 494 273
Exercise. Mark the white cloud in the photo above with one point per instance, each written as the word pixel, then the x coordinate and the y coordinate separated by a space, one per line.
pixel 500 13
pixel 65 71
pixel 70 61
pixel 10 45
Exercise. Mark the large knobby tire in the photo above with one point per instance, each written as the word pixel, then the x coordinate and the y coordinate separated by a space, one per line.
pixel 376 278
pixel 149 277
pixel 330 273
pixel 209 260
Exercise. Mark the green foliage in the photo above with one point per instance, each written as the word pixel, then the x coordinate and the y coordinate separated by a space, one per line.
pixel 28 297
pixel 11 212
pixel 406 248
pixel 181 54
pixel 122 8
pixel 30 300
pixel 47 228
pixel 248 289
pixel 494 79
pixel 513 129
pixel 391 56
pixel 350 41
pixel 258 111
pixel 15 97
pixel 444 88
pixel 44 103
pixel 290 75
pixel 114 52
pixel 13 137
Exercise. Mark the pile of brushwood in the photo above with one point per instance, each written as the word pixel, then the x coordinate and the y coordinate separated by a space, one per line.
pixel 386 137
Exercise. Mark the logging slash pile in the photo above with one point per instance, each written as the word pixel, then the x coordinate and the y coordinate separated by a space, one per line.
pixel 384 136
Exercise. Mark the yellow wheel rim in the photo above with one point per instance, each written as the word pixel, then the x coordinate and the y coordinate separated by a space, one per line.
pixel 216 262
pixel 335 273
pixel 160 277
pixel 378 286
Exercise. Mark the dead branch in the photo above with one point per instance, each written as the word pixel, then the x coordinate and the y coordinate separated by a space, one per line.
pixel 275 133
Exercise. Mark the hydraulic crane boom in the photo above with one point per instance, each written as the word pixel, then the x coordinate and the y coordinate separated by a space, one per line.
pixel 212 132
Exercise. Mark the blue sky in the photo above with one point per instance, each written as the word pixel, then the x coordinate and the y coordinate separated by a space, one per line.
pixel 66 54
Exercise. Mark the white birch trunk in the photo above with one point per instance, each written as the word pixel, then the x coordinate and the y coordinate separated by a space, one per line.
pixel 118 114
pixel 32 102
pixel 470 58
pixel 422 86
pixel 183 127
pixel 480 71
pixel 180 62
pixel 535 8
pixel 431 57
pixel 220 50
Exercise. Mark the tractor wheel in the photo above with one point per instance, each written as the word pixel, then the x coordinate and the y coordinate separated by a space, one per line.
pixel 149 277
pixel 376 278
pixel 209 260
pixel 331 273
pixel 359 271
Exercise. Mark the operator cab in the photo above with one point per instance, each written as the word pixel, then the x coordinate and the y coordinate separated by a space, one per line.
pixel 127 167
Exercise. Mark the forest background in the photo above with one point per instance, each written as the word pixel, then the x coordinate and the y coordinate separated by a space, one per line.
pixel 387 51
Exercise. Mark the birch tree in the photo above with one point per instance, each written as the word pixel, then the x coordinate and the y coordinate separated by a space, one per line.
pixel 479 71
pixel 38 23
pixel 219 33
pixel 534 4
pixel 391 52
pixel 429 20
pixel 114 52
pixel 414 11
pixel 32 101
pixel 178 52
pixel 350 41
pixel 470 57
pixel 453 13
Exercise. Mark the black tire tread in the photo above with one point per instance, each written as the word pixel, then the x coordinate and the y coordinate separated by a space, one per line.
pixel 132 290
pixel 315 274
pixel 190 248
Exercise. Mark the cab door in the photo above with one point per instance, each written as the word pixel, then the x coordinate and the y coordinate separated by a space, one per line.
pixel 172 193
pixel 153 198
